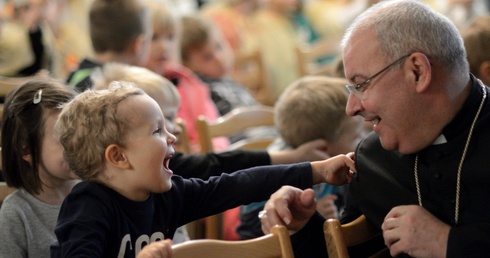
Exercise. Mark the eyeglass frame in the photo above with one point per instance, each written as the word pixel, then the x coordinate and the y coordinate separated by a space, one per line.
pixel 356 88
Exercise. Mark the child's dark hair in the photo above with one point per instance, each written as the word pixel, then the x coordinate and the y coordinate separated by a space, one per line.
pixel 114 24
pixel 24 115
pixel 196 32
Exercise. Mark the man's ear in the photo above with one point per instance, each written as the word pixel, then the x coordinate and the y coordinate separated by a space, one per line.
pixel 484 72
pixel 116 157
pixel 420 71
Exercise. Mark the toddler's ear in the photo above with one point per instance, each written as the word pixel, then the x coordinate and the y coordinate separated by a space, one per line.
pixel 116 157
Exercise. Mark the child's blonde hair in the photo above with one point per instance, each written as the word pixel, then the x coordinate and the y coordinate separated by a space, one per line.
pixel 91 122
pixel 165 18
pixel 312 107
pixel 163 15
pixel 152 83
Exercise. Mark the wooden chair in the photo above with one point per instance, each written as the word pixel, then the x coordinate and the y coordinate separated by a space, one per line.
pixel 183 143
pixel 308 56
pixel 236 121
pixel 249 70
pixel 276 244
pixel 338 237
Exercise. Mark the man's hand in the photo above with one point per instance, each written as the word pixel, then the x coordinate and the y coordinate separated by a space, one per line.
pixel 413 230
pixel 288 206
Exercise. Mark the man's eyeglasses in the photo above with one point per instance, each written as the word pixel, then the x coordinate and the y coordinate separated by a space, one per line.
pixel 357 87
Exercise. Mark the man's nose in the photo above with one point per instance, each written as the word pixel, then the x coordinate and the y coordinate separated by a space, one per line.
pixel 353 106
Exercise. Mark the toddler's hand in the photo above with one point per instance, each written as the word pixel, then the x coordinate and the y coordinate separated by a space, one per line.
pixel 338 170
pixel 159 249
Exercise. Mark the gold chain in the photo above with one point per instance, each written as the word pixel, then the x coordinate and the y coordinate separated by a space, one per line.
pixel 458 180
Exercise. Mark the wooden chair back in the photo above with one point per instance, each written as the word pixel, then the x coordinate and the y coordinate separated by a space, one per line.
pixel 236 121
pixel 183 144
pixel 339 237
pixel 276 244
pixel 308 56
pixel 249 70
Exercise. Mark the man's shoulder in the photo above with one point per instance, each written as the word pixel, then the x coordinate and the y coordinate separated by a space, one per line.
pixel 370 151
pixel 370 142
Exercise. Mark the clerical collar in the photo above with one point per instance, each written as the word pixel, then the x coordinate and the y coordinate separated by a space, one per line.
pixel 462 120
pixel 440 140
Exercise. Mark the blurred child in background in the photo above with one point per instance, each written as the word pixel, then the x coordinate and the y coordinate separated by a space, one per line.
pixel 318 113
pixel 120 31
pixel 207 54
pixel 165 59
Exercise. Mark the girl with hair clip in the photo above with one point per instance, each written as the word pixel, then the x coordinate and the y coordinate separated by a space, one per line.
pixel 33 163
